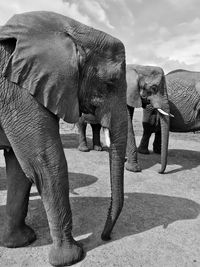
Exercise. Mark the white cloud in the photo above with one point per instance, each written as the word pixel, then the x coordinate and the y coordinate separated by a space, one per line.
pixel 10 7
pixel 184 45
pixel 170 48
pixel 182 3
pixel 95 10
pixel 85 11
pixel 188 27
pixel 182 48
pixel 172 42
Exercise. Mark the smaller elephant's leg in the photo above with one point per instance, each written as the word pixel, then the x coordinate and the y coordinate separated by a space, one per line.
pixel 144 143
pixel 16 233
pixel 82 125
pixel 157 143
pixel 96 128
pixel 131 149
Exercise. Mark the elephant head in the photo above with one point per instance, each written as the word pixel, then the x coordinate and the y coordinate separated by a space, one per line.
pixel 70 69
pixel 102 93
pixel 146 84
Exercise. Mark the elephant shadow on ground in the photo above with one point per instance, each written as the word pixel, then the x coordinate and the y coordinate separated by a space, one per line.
pixel 36 214
pixel 185 159
pixel 141 213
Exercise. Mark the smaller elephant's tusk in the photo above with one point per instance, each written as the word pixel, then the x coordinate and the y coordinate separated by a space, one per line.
pixel 107 137
pixel 165 113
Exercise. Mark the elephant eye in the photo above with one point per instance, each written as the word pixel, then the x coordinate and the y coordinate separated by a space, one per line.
pixel 154 89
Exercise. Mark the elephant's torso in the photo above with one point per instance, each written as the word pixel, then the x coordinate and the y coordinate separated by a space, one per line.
pixel 184 97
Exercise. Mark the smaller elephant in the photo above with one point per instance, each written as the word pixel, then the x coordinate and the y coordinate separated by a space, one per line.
pixel 184 100
pixel 145 85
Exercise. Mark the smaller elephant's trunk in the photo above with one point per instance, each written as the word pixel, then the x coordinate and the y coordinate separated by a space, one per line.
pixel 161 103
pixel 164 122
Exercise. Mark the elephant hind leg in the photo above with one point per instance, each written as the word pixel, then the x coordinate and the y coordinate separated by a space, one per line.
pixel 144 143
pixel 16 233
pixel 96 128
pixel 81 125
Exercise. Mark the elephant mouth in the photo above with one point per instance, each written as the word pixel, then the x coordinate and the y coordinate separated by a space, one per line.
pixel 107 136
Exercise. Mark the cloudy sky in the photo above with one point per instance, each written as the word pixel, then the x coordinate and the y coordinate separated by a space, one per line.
pixel 155 32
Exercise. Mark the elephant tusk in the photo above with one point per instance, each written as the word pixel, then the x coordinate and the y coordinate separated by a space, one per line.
pixel 107 137
pixel 165 113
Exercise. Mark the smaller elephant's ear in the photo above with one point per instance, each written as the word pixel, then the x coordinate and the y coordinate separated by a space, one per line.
pixel 133 93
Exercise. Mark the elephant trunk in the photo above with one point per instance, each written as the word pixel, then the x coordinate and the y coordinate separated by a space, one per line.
pixel 161 103
pixel 164 115
pixel 164 122
pixel 118 139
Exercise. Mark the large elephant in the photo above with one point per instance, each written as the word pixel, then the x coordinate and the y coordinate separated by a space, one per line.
pixel 145 84
pixel 54 67
pixel 183 89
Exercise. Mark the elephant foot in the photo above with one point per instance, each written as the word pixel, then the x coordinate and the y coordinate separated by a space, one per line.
pixel 20 237
pixel 83 148
pixel 143 150
pixel 66 254
pixel 132 167
pixel 97 148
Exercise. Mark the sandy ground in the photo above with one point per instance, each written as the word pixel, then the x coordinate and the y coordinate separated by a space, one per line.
pixel 160 222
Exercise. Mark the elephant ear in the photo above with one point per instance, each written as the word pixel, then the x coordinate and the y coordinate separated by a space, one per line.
pixel 45 62
pixel 133 93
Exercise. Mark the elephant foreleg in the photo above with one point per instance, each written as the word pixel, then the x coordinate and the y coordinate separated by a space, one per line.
pixel 16 232
pixel 144 142
pixel 131 150
pixel 96 137
pixel 33 133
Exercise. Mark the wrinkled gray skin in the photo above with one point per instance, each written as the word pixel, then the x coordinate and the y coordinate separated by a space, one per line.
pixel 145 84
pixel 33 148
pixel 184 99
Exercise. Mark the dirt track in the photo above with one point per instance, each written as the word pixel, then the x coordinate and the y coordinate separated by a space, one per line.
pixel 160 222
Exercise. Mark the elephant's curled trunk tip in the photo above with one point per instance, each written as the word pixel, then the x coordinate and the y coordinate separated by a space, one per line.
pixel 162 170
pixel 105 236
